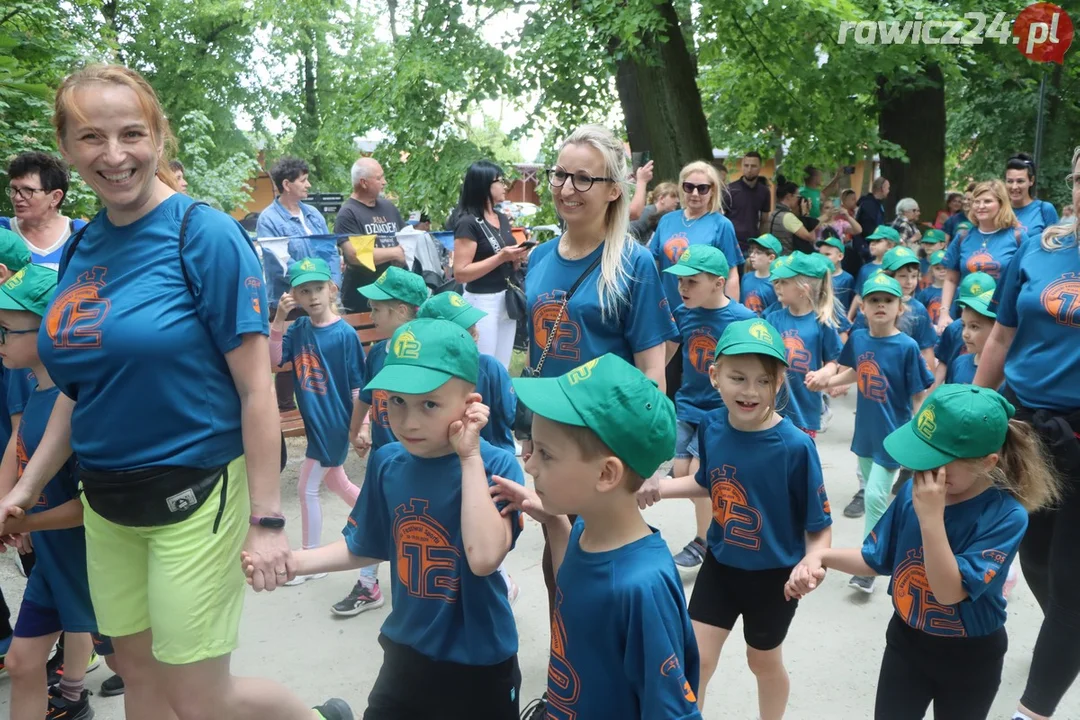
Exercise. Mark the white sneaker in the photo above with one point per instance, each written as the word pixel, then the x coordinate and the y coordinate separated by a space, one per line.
pixel 826 419
pixel 301 579
pixel 862 584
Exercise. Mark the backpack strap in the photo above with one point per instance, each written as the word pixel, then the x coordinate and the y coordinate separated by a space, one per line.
pixel 69 250
pixel 183 240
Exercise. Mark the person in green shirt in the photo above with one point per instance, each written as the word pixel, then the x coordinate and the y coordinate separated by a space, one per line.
pixel 812 189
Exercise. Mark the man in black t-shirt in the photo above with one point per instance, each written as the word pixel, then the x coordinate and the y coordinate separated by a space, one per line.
pixel 365 212
pixel 750 201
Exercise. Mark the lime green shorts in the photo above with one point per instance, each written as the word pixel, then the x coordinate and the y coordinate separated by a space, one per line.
pixel 182 581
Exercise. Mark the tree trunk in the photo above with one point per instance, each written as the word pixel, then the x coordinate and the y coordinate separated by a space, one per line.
pixel 662 104
pixel 912 115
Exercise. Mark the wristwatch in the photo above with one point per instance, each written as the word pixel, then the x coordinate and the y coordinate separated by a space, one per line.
pixel 271 522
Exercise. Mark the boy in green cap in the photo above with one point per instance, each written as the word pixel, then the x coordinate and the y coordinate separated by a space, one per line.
pixel 704 314
pixel 931 242
pixel 902 264
pixel 756 288
pixel 450 642
pixel 951 343
pixel 57 595
pixel 598 432
pixel 879 242
pixel 979 321
pixel 843 283
pixel 764 478
pixel 946 542
pixel 932 282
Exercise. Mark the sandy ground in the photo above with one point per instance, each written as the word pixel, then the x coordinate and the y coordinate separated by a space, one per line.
pixel 833 650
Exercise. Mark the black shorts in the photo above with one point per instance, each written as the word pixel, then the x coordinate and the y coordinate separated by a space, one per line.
pixel 722 593
pixel 412 686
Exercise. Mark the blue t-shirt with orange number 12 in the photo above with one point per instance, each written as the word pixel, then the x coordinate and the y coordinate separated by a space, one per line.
pixel 767 492
pixel 810 345
pixel 642 320
pixel 757 293
pixel 674 233
pixel 143 355
pixel 700 329
pixel 379 400
pixel 409 511
pixel 843 287
pixel 329 364
pixel 498 394
pixel 984 534
pixel 889 370
pixel 638 657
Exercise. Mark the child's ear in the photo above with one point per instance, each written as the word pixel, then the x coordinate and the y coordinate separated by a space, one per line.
pixel 612 474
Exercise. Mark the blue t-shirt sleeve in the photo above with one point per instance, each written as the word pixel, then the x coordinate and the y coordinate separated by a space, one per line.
pixel 369 373
pixel 19 388
pixel 983 561
pixel 952 256
pixel 354 359
pixel 817 514
pixel 655 247
pixel 918 374
pixel 506 404
pixel 506 466
pixel 649 322
pixel 701 476
pixel 1049 214
pixel 1008 291
pixel 831 344
pixel 655 656
pixel 879 547
pixel 367 531
pixel 727 243
pixel 926 336
pixel 847 353
pixel 226 277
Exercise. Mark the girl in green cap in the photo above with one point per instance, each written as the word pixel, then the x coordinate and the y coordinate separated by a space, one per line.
pixel 946 542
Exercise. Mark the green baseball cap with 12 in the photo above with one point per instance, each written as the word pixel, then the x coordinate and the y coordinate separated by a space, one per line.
pixel 13 251
pixel 770 242
pixel 831 242
pixel 397 284
pixel 776 264
pixel 933 235
pixel 308 270
pixel 752 337
pixel 424 354
pixel 616 401
pixel 937 257
pixel 977 283
pixel 698 259
pixel 884 232
pixel 879 282
pixel 979 303
pixel 31 289
pixel 451 306
pixel 955 422
pixel 897 258
pixel 800 263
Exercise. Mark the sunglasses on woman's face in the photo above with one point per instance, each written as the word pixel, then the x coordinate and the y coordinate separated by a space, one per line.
pixel 702 189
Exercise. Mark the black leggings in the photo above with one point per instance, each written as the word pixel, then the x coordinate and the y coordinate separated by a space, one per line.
pixel 1050 557
pixel 960 676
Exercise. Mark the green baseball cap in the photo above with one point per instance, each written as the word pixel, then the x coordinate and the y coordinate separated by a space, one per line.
pixel 698 259
pixel 616 401
pixel 979 303
pixel 770 242
pixel 308 270
pixel 31 289
pixel 451 306
pixel 13 251
pixel 937 257
pixel 397 284
pixel 831 242
pixel 884 232
pixel 955 422
pixel 800 263
pixel 752 337
pixel 964 226
pixel 897 258
pixel 977 283
pixel 424 354
pixel 880 282
pixel 777 264
pixel 933 235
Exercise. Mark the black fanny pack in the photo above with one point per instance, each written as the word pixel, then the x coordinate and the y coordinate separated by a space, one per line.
pixel 155 496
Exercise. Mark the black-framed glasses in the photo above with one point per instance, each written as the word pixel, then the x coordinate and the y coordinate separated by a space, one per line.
pixel 24 193
pixel 701 188
pixel 580 181
pixel 4 332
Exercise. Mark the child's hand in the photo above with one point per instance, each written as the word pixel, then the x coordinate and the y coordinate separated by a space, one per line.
pixel 805 577
pixel 839 390
pixel 928 495
pixel 520 498
pixel 286 305
pixel 361 442
pixel 649 493
pixel 816 382
pixel 465 433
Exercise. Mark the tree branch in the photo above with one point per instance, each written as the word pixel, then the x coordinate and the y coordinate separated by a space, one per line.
pixel 10 15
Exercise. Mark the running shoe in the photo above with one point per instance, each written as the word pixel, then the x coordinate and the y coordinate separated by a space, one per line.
pixel 359 600
pixel 112 686
pixel 857 507
pixel 60 708
pixel 690 557
pixel 862 583
pixel 826 418
pixel 536 710
pixel 301 579
pixel 335 709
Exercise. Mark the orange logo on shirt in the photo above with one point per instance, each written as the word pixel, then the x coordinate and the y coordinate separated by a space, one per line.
pixel 427 563
pixel 564 685
pixel 732 510
pixel 309 371
pixel 675 246
pixel 753 302
pixel 998 558
pixel 798 357
pixel 915 602
pixel 982 261
pixel 380 406
pixel 933 308
pixel 672 668
pixel 76 315
pixel 564 345
pixel 1061 299
pixel 824 499
pixel 253 284
pixel 701 348
pixel 873 385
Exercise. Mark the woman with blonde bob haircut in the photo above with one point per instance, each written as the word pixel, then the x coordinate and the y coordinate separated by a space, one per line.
pixel 988 247
pixel 617 304
pixel 179 460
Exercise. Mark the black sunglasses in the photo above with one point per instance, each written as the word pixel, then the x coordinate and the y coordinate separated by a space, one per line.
pixel 702 189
